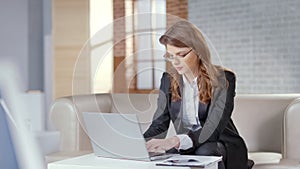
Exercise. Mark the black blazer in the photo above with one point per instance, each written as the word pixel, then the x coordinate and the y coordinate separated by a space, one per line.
pixel 218 126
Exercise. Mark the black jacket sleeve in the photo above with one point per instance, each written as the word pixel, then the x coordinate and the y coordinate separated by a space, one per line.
pixel 228 106
pixel 161 119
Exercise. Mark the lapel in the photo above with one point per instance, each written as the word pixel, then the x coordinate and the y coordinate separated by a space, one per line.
pixel 215 112
pixel 178 104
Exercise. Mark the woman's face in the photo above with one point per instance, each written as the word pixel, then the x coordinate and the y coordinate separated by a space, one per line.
pixel 185 60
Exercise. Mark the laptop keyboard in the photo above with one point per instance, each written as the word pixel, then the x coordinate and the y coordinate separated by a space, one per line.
pixel 154 156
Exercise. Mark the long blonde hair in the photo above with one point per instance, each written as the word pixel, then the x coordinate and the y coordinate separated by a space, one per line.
pixel 185 34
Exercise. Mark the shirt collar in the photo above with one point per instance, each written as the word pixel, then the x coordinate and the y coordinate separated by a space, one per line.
pixel 185 81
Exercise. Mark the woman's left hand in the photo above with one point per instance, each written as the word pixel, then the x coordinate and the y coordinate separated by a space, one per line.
pixel 160 145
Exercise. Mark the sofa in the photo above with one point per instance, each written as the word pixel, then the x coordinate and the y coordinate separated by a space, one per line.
pixel 267 122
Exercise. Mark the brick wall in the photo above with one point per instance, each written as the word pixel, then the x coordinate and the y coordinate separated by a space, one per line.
pixel 119 46
pixel 259 40
pixel 176 9
pixel 119 28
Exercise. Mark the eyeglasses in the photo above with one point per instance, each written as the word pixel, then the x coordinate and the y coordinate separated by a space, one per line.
pixel 170 57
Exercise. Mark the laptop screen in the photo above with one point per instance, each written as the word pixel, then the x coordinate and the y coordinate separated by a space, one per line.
pixel 116 135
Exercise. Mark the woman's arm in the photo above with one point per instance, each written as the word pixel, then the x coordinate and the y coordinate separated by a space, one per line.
pixel 219 114
pixel 161 119
pixel 228 108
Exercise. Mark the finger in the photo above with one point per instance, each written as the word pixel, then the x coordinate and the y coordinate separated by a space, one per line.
pixel 159 149
pixel 152 148
pixel 151 144
pixel 156 147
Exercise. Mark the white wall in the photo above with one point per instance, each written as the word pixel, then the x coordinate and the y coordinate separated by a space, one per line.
pixel 14 37
pixel 257 39
pixel 24 26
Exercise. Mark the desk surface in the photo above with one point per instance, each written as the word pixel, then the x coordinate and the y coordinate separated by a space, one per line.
pixel 90 161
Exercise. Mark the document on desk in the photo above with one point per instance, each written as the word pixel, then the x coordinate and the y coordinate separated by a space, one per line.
pixel 190 161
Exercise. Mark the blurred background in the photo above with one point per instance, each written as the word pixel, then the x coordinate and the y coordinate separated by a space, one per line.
pixel 57 48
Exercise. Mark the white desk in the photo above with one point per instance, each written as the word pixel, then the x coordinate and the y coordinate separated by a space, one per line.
pixel 90 161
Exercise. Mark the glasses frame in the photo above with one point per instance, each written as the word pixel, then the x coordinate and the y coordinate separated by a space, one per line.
pixel 171 58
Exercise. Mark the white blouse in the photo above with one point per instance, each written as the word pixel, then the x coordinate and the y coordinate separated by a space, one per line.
pixel 190 98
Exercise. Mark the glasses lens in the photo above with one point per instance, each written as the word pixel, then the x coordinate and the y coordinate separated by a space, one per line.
pixel 171 57
pixel 168 57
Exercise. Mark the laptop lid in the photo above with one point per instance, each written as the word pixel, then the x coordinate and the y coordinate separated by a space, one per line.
pixel 116 135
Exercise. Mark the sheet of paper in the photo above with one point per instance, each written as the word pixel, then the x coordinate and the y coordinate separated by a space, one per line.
pixel 190 160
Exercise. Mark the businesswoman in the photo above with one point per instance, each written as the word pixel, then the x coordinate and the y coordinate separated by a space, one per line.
pixel 198 97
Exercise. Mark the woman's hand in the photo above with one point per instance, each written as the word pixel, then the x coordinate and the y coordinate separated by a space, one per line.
pixel 161 145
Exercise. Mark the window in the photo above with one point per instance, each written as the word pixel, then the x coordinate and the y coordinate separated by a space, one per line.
pixel 145 23
pixel 101 53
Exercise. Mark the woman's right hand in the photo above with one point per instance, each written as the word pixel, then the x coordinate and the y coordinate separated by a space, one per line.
pixel 161 145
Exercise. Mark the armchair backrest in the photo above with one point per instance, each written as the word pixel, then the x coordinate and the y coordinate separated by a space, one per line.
pixel 144 105
pixel 66 116
pixel 258 118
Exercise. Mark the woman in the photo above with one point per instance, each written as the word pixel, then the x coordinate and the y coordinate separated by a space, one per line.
pixel 198 98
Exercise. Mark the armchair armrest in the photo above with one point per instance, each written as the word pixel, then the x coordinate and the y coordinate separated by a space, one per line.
pixel 291 148
pixel 66 117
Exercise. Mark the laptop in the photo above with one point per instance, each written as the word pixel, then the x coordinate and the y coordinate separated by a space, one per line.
pixel 115 135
